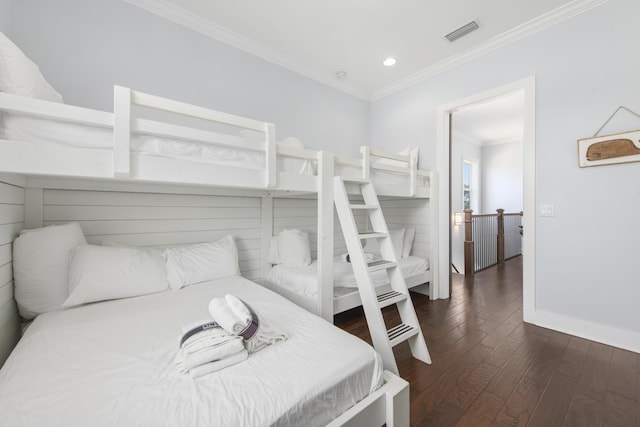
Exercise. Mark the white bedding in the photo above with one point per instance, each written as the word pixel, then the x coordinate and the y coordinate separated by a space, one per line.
pixel 111 363
pixel 303 280
pixel 20 127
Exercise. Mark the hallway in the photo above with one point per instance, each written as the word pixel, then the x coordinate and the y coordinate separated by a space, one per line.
pixel 492 369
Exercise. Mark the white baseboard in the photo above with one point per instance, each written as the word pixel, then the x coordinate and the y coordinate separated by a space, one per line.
pixel 616 337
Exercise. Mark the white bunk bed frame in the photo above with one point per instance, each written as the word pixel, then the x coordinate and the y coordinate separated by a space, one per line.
pixel 119 165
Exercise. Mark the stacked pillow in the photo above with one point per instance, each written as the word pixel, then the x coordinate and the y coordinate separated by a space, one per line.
pixel 188 265
pixel 54 268
pixel 40 267
pixel 98 273
pixel 20 76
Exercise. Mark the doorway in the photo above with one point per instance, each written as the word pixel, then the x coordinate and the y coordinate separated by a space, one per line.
pixel 526 87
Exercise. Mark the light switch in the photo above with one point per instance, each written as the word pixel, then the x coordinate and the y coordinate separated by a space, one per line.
pixel 545 210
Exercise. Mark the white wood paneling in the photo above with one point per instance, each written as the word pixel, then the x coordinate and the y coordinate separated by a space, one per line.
pixel 402 213
pixel 11 222
pixel 154 219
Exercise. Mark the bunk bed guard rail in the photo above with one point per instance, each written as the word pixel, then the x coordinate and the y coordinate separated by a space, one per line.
pixel 411 161
pixel 125 123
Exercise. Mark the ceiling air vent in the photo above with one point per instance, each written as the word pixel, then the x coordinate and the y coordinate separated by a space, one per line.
pixel 462 31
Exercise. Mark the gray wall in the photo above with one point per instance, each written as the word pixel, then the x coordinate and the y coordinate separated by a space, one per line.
pixel 84 47
pixel 5 16
pixel 585 68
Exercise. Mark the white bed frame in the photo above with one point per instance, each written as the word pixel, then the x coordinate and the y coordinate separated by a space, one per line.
pixel 417 283
pixel 119 164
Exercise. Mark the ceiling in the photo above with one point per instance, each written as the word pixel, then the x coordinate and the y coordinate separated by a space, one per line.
pixel 321 38
pixel 495 121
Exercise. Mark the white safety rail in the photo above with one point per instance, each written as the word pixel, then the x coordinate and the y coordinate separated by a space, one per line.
pixel 119 160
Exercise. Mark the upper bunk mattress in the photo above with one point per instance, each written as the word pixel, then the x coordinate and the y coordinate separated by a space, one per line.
pixel 21 127
pixel 303 280
pixel 111 363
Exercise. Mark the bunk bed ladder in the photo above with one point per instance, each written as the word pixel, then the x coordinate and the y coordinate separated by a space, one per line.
pixel 409 329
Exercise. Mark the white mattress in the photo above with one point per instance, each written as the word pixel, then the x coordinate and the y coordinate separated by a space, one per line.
pixel 111 363
pixel 20 127
pixel 303 280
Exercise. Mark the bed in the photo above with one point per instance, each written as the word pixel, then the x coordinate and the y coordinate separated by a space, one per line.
pixel 300 283
pixel 111 363
pixel 150 144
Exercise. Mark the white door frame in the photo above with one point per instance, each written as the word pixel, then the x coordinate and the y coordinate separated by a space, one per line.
pixel 443 269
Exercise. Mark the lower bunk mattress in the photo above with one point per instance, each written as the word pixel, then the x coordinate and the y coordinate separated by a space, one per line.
pixel 111 363
pixel 303 280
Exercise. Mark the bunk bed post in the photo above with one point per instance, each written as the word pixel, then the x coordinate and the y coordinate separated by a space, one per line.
pixel 33 207
pixel 270 162
pixel 266 232
pixel 413 174
pixel 366 161
pixel 121 131
pixel 434 285
pixel 325 235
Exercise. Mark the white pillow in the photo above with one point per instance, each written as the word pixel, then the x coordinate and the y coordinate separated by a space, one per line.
pixel 41 267
pixel 274 257
pixel 293 247
pixel 407 243
pixel 20 76
pixel 397 238
pixel 98 273
pixel 187 265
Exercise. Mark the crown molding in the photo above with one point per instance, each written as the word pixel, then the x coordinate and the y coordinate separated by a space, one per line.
pixel 540 23
pixel 222 34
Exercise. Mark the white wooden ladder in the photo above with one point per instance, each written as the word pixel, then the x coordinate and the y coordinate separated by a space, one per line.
pixel 409 329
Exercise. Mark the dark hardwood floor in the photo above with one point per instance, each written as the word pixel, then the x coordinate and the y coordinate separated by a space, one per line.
pixel 492 369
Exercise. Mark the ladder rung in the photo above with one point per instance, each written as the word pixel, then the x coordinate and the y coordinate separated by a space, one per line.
pixel 356 180
pixel 388 298
pixel 382 264
pixel 371 235
pixel 365 207
pixel 401 333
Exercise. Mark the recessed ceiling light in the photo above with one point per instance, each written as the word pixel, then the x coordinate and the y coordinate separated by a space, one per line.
pixel 341 74
pixel 389 62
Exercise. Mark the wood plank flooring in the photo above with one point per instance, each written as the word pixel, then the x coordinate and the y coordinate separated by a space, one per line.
pixel 492 369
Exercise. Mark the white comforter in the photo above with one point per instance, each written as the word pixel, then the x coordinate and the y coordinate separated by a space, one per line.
pixel 111 364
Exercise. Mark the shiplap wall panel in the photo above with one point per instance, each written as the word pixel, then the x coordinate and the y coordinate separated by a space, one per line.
pixel 153 219
pixel 402 213
pixel 303 214
pixel 11 222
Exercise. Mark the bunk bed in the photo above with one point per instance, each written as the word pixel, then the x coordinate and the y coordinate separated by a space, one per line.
pixel 153 140
pixel 149 142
